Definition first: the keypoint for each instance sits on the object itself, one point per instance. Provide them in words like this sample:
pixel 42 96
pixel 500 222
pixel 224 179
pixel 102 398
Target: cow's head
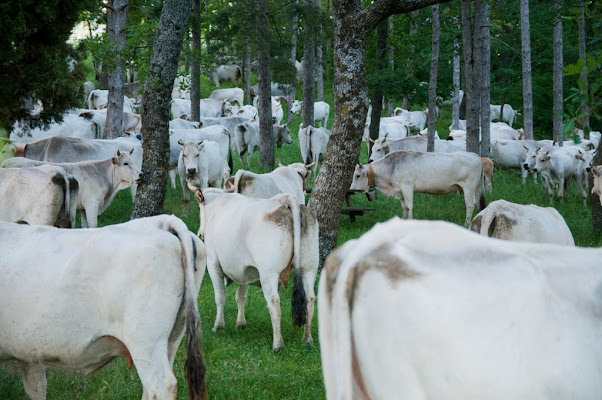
pixel 125 171
pixel 360 178
pixel 296 107
pixel 542 161
pixel 380 148
pixel 530 158
pixel 189 155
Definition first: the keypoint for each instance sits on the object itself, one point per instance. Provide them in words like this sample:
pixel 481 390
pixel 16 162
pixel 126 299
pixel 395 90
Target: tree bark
pixel 583 75
pixel 526 57
pixel 456 82
pixel 309 49
pixel 319 66
pixel 558 105
pixel 162 70
pixel 485 81
pixel 248 72
pixel 405 103
pixel 472 70
pixel 207 49
pixel 266 140
pixel 195 76
pixel 294 33
pixel 391 103
pixel 430 144
pixel 117 16
pixel 352 24
pixel 377 98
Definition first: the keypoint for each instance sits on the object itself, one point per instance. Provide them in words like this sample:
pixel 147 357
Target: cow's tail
pixel 239 174
pixel 195 368
pixel 70 186
pixel 230 163
pixel 299 298
pixel 481 190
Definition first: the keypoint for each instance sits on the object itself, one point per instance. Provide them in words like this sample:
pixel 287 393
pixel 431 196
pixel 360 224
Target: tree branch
pixel 369 18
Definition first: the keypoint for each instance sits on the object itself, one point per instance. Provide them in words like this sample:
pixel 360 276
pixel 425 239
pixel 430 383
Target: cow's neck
pixel 371 177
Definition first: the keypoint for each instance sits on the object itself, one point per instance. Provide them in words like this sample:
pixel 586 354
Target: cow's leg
pixel 154 370
pixel 309 280
pixel 91 215
pixel 523 173
pixel 535 178
pixel 249 154
pixel 241 299
pixel 561 189
pixel 84 218
pixel 470 200
pixel 133 190
pixel 34 380
pixel 219 289
pixel 269 286
pixel 185 196
pixel 172 177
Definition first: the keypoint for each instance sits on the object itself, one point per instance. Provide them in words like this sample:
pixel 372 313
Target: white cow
pixel 230 73
pixel 276 89
pixel 98 99
pixel 246 111
pixel 556 168
pixel 246 136
pixel 509 116
pixel 183 124
pixel 469 318
pixel 42 195
pixel 522 223
pixel 401 173
pixel 597 187
pixel 257 242
pixel 201 163
pixel 284 179
pixel 382 146
pixel 181 87
pixel 72 125
pixel 209 108
pixel 417 119
pixel 321 111
pixel 231 95
pixel 99 181
pixel 513 154
pixel 127 290
pixel 277 111
pixel 313 142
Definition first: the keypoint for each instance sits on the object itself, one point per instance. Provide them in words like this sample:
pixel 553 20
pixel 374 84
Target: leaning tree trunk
pixel 391 102
pixel 377 97
pixel 117 23
pixel 319 61
pixel 430 144
pixel 485 82
pixel 309 47
pixel 352 24
pixel 472 67
pixel 294 32
pixel 456 81
pixel 583 75
pixel 526 54
pixel 266 140
pixel 558 105
pixel 195 76
pixel 162 70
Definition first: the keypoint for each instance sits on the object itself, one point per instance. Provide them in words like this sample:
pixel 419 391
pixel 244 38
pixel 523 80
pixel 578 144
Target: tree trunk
pixel 430 144
pixel 391 104
pixel 472 70
pixel 308 64
pixel 558 67
pixel 162 70
pixel 352 24
pixel 485 81
pixel 319 66
pixel 405 103
pixel 248 72
pixel 456 81
pixel 207 31
pixel 195 76
pixel 294 32
pixel 583 75
pixel 117 24
pixel 266 140
pixel 526 55
pixel 377 99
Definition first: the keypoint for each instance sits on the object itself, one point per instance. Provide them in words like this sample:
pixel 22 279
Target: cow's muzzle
pixel 526 166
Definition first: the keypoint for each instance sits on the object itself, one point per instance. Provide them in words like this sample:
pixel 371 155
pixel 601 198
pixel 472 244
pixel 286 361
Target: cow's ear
pixel 387 147
pixel 115 160
pixel 526 148
pixel 180 142
pixel 118 153
pixel 132 151
pixel 200 145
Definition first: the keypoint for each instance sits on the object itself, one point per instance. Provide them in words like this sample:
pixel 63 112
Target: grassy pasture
pixel 240 364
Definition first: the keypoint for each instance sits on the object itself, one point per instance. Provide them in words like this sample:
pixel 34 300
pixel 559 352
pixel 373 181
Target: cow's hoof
pixel 217 328
pixel 277 349
pixel 308 341
pixel 241 326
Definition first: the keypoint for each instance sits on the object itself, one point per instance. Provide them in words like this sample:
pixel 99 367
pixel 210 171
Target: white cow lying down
pixel 470 318
pixel 522 223
pixel 131 294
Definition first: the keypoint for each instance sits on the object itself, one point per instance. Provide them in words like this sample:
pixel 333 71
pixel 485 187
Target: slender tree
pixel 319 61
pixel 557 107
pixel 377 97
pixel 391 103
pixel 584 105
pixel 195 76
pixel 117 11
pixel 526 68
pixel 162 70
pixel 433 81
pixel 485 81
pixel 309 48
pixel 456 82
pixel 405 104
pixel 266 140
pixel 247 72
pixel 294 33
pixel 352 24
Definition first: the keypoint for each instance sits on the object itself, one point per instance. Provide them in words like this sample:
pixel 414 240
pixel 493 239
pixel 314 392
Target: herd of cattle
pixel 522 324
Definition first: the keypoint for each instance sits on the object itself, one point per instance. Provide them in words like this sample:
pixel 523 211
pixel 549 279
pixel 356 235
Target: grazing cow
pixel 469 318
pixel 321 111
pixel 284 179
pixel 231 95
pixel 95 294
pixel 277 111
pixel 183 124
pixel 512 154
pixel 382 146
pixel 417 119
pixel 401 173
pixel 509 116
pixel 230 73
pixel 556 168
pixel 247 111
pixel 597 175
pixel 98 99
pixel 522 223
pixel 216 133
pixel 246 136
pixel 313 142
pixel 200 163
pixel 257 242
pixel 99 181
pixel 209 108
pixel 42 195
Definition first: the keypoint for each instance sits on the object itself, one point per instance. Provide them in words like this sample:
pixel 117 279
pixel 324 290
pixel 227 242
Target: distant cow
pixel 99 99
pixel 321 111
pixel 313 142
pixel 597 188
pixel 42 195
pixel 522 223
pixel 230 73
pixel 246 136
pixel 231 95
pixel 429 310
pixel 383 146
pixel 77 299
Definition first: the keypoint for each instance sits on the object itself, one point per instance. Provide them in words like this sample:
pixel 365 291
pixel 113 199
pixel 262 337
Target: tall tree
pixel 456 82
pixel 377 97
pixel 247 72
pixel 309 49
pixel 391 102
pixel 117 11
pixel 584 87
pixel 485 81
pixel 162 71
pixel 405 103
pixel 294 33
pixel 526 68
pixel 195 75
pixel 430 146
pixel 319 61
pixel 557 107
pixel 266 140
pixel 472 71
pixel 352 24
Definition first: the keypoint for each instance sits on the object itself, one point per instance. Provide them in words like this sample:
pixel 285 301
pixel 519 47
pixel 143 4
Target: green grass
pixel 240 364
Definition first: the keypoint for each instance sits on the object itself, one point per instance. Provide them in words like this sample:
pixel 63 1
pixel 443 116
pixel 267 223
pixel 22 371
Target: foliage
pixel 34 56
